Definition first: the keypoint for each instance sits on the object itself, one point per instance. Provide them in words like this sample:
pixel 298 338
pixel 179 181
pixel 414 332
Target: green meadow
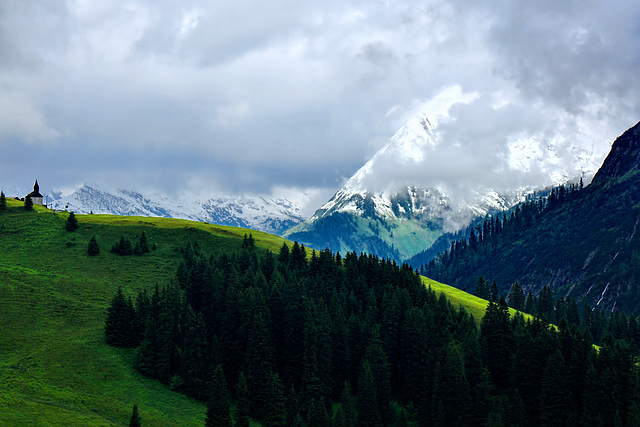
pixel 459 298
pixel 55 368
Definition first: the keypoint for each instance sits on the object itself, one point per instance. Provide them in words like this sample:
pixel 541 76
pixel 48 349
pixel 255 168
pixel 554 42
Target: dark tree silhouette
pixel 135 417
pixel 92 248
pixel 218 414
pixel 72 222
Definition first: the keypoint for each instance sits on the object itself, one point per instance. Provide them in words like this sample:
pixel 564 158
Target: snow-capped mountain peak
pixel 409 144
pixel 259 212
pixel 424 182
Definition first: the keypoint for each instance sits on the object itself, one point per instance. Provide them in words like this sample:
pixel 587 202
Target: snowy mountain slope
pixel 397 218
pixel 269 214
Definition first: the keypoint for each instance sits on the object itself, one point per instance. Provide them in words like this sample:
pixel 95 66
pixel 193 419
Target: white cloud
pixel 299 94
pixel 21 119
pixel 190 21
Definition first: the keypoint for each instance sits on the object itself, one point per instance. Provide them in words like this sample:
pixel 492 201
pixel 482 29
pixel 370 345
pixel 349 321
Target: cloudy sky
pixel 223 96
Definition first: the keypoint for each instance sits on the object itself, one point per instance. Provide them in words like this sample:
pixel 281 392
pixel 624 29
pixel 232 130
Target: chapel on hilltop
pixel 35 195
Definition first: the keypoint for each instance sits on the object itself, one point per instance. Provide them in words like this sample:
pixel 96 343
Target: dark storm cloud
pixel 249 96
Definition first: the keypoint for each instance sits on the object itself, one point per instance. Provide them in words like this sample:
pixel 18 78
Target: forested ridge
pixel 287 339
pixel 581 242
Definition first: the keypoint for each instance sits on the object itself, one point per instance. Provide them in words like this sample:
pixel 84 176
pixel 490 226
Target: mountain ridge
pixel 583 245
pixel 270 214
pixel 397 220
pixel 623 157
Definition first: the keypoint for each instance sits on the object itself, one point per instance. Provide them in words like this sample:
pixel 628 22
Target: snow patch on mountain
pixel 421 185
pixel 412 144
pixel 409 144
pixel 259 212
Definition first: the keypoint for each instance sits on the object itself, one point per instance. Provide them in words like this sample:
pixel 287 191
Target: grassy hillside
pixel 55 368
pixel 459 298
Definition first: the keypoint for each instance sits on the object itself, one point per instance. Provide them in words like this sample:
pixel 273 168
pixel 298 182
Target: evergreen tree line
pixel 480 238
pixel 283 337
pixel 595 321
pixel 125 247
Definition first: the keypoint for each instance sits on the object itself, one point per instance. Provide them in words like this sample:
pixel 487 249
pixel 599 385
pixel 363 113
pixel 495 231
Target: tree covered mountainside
pixel 400 203
pixel 326 340
pixel 582 243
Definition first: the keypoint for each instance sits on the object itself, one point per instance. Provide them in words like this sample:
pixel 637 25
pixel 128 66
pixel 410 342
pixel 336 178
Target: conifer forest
pixel 290 339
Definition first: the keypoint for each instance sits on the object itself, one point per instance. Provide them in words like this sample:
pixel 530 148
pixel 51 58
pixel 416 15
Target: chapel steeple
pixel 35 195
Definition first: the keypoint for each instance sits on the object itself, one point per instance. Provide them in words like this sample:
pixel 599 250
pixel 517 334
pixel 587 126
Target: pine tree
pixel 125 247
pixel 122 247
pixel 157 354
pixel 119 325
pixel 555 398
pixel 453 388
pixel 218 414
pixel 516 297
pixel 495 420
pixel 275 410
pixel 379 365
pixel 517 413
pixel 193 357
pixel 497 343
pixel 339 419
pixel 259 363
pixel 531 304
pixel 28 203
pixel 348 404
pixel 248 242
pixel 242 402
pixel 135 417
pixel 473 240
pixel 368 415
pixel 317 415
pixel 283 256
pixel 92 248
pixel 482 289
pixel 72 222
pixel 293 405
pixel 633 416
pixel 3 201
pixel 494 292
pixel 143 244
pixel 545 304
pixel 298 256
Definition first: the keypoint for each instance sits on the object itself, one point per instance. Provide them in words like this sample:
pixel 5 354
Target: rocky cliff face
pixel 623 158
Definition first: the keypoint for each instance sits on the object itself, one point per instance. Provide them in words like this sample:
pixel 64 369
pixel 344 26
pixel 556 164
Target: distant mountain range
pixel 399 222
pixel 396 219
pixel 585 245
pixel 273 215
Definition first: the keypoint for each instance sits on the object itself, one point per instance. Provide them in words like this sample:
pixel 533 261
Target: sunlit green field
pixel 471 303
pixel 55 368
